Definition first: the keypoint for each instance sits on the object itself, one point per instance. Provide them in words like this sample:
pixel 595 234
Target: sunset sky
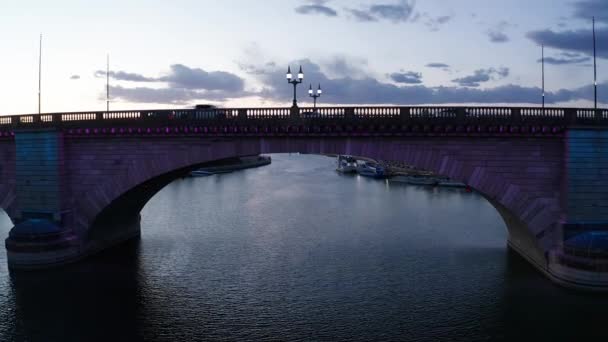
pixel 173 54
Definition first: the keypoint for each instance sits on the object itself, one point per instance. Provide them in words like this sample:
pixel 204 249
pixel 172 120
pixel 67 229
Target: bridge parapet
pixel 454 115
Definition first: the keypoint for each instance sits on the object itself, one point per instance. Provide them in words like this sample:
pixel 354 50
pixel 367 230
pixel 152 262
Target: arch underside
pixel 518 177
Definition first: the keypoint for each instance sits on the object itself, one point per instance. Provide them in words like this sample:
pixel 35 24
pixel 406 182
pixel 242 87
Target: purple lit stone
pixel 87 131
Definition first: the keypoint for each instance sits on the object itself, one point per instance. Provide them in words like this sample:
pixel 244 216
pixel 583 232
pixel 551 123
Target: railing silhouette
pixel 499 115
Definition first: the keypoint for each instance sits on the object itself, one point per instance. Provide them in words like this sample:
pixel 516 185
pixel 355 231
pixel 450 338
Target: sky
pixel 235 53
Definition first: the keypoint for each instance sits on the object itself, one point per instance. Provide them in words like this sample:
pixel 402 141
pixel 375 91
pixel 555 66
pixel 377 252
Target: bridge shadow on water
pixel 97 299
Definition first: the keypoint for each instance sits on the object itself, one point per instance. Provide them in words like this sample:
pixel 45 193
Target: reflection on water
pixel 295 251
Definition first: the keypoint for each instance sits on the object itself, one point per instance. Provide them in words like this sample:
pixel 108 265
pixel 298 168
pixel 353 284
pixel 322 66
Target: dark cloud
pixel 342 66
pixel 184 85
pixel 75 77
pixel 317 9
pixel 348 90
pixel 182 76
pixel 399 12
pixel 586 9
pixel 481 76
pixel 435 23
pixel 438 65
pixel 125 76
pixel 497 36
pixel 361 15
pixel 580 41
pixel 566 58
pixel 408 77
pixel 368 90
pixel 497 33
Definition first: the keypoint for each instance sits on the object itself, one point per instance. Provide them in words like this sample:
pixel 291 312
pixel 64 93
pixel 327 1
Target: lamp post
pixel 315 96
pixel 295 82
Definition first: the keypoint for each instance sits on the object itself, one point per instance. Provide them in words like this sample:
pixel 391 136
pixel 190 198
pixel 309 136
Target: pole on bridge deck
pixel 542 47
pixel 594 68
pixel 39 73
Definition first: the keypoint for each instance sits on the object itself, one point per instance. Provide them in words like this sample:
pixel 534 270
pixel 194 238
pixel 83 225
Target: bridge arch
pixel 509 174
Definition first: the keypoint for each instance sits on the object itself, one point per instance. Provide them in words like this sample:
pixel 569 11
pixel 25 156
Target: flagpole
pixel 543 71
pixel 594 68
pixel 39 74
pixel 108 83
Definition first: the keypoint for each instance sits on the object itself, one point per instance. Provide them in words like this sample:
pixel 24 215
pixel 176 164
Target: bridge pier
pixel 41 235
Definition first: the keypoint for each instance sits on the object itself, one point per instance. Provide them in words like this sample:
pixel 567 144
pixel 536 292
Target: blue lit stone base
pixel 40 244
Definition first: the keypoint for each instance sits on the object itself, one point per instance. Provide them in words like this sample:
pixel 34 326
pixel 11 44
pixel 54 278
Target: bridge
pixel 74 183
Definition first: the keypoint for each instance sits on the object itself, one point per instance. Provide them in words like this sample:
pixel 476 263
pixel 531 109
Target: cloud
pixel 497 37
pixel 408 77
pixel 497 33
pixel 580 41
pixel 435 23
pixel 586 9
pixel 181 76
pixel 317 8
pixel 399 12
pixel 182 85
pixel 438 66
pixel 481 76
pixel 125 76
pixel 344 89
pixel 343 66
pixel 361 15
pixel 75 77
pixel 368 90
pixel 566 58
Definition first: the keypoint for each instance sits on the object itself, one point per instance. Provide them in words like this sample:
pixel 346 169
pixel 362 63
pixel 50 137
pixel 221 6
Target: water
pixel 294 251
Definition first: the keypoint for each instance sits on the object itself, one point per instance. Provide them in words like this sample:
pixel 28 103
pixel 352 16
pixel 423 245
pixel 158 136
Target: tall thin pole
pixel 594 69
pixel 39 73
pixel 543 72
pixel 108 83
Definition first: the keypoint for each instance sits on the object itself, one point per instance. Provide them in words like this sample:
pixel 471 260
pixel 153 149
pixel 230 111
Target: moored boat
pixel 369 169
pixel 346 164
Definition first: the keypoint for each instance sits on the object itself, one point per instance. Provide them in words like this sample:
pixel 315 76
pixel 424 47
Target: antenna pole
pixel 39 73
pixel 594 68
pixel 543 71
pixel 108 83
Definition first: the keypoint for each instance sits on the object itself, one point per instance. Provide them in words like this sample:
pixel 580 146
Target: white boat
pixel 416 180
pixel 347 164
pixel 369 169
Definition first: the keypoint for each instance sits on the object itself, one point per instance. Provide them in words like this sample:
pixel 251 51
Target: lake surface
pixel 294 251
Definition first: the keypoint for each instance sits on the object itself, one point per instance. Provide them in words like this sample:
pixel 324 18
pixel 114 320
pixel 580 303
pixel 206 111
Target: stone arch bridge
pixel 74 183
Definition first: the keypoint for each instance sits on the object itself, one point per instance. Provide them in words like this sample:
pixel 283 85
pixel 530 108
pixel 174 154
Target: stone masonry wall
pixel 522 174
